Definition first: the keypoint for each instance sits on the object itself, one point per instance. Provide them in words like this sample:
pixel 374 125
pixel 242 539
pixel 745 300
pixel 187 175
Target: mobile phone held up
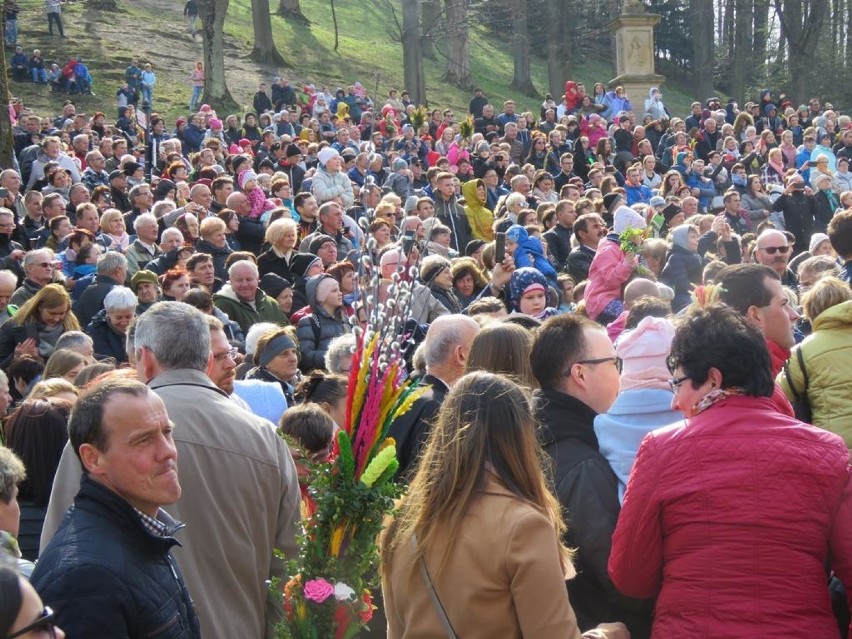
pixel 500 248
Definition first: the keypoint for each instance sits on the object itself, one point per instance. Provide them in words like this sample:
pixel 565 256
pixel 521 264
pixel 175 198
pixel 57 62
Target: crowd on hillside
pixel 659 304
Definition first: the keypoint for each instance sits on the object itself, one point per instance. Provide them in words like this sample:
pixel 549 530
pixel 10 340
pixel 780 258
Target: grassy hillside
pixel 155 30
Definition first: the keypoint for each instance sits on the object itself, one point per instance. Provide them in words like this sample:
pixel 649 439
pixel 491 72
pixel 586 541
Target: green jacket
pixel 264 309
pixel 827 354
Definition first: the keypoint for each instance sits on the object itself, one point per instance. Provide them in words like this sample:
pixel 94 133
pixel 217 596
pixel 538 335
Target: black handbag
pixel 801 402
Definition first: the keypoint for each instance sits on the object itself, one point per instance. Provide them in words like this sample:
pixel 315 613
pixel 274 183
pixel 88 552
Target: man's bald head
pixel 640 287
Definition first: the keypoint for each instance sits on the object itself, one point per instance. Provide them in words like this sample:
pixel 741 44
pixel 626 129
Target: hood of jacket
pixel 836 317
pixel 471 197
pixel 312 286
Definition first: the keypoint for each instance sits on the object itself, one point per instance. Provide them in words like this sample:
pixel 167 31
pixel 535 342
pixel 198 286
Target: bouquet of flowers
pixel 629 246
pixel 328 593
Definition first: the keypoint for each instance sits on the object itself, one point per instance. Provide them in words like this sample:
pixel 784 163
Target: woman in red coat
pixel 731 517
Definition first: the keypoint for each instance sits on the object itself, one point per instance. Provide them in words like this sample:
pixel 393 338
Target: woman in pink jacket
pixel 731 517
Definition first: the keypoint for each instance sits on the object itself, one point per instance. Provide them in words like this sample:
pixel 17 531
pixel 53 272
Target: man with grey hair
pixel 78 342
pixel 200 199
pixel 773 249
pixel 111 272
pixel 38 273
pixel 144 248
pixel 95 174
pixel 171 242
pixel 243 301
pixel 445 352
pixel 239 482
pixel 141 200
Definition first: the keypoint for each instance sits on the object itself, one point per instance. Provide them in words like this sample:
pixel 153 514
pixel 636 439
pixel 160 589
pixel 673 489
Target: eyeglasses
pixel 44 264
pixel 43 624
pixel 603 360
pixel 772 250
pixel 231 353
pixel 675 383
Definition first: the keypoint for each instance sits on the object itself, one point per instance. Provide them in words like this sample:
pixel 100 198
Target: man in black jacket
pixel 589 229
pixel 445 351
pixel 575 365
pixel 559 237
pixel 109 564
pixel 112 271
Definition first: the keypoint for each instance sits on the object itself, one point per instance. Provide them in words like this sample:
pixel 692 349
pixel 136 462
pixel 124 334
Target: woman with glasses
pixel 22 612
pixel 733 516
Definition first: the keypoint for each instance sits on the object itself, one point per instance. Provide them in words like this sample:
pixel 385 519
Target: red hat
pixel 244 142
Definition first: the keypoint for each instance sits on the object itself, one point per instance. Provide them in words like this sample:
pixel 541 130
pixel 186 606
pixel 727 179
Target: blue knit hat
pixel 522 279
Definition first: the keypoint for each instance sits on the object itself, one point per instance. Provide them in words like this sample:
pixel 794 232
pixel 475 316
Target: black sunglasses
pixel 43 623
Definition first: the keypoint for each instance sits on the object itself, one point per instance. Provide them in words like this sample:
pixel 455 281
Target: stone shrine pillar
pixel 634 53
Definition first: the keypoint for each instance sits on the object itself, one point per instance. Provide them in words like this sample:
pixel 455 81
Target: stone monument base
pixel 636 87
pixel 634 53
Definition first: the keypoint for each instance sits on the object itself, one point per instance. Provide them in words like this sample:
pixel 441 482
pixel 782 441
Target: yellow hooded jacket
pixel 481 219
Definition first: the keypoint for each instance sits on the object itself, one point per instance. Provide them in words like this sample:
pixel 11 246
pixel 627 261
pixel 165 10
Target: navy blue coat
pixel 106 575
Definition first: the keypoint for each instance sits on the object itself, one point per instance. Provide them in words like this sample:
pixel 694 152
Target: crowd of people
pixel 631 330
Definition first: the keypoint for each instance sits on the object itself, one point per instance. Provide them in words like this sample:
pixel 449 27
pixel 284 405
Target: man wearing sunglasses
pixel 109 566
pixel 773 250
pixel 576 367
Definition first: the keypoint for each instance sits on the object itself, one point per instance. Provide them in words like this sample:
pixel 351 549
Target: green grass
pixel 155 30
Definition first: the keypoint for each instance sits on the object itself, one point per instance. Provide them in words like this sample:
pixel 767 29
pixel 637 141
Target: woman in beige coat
pixel 480 524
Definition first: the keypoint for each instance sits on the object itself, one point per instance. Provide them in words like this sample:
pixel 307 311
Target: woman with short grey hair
pixel 108 329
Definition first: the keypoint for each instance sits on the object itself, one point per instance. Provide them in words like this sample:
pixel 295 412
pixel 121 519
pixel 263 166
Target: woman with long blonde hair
pixel 37 325
pixel 480 527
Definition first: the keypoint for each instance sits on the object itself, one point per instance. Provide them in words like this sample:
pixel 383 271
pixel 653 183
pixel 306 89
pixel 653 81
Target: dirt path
pixel 168 44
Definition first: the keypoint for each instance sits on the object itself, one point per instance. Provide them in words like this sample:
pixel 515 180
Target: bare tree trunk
pixel 719 21
pixel 760 39
pixel 412 54
pixel 848 32
pixel 728 26
pixel 336 31
pixel 264 45
pixel 7 137
pixel 432 27
pixel 702 47
pixel 835 26
pixel 558 46
pixel 521 78
pixel 802 31
pixel 212 14
pixel 457 45
pixel 292 10
pixel 741 56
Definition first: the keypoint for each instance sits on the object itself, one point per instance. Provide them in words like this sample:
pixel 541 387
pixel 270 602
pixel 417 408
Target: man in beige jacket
pixel 240 491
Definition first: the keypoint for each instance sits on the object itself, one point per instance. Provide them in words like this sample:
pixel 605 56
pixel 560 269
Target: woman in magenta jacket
pixel 731 517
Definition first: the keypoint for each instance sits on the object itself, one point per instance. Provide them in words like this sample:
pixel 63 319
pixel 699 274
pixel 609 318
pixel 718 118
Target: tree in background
pixel 212 15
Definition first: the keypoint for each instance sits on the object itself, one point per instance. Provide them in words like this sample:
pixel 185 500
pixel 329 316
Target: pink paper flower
pixel 318 590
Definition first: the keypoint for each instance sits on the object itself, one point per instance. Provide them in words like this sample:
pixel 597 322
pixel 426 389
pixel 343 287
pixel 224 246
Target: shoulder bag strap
pixel 796 395
pixel 801 358
pixel 433 595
